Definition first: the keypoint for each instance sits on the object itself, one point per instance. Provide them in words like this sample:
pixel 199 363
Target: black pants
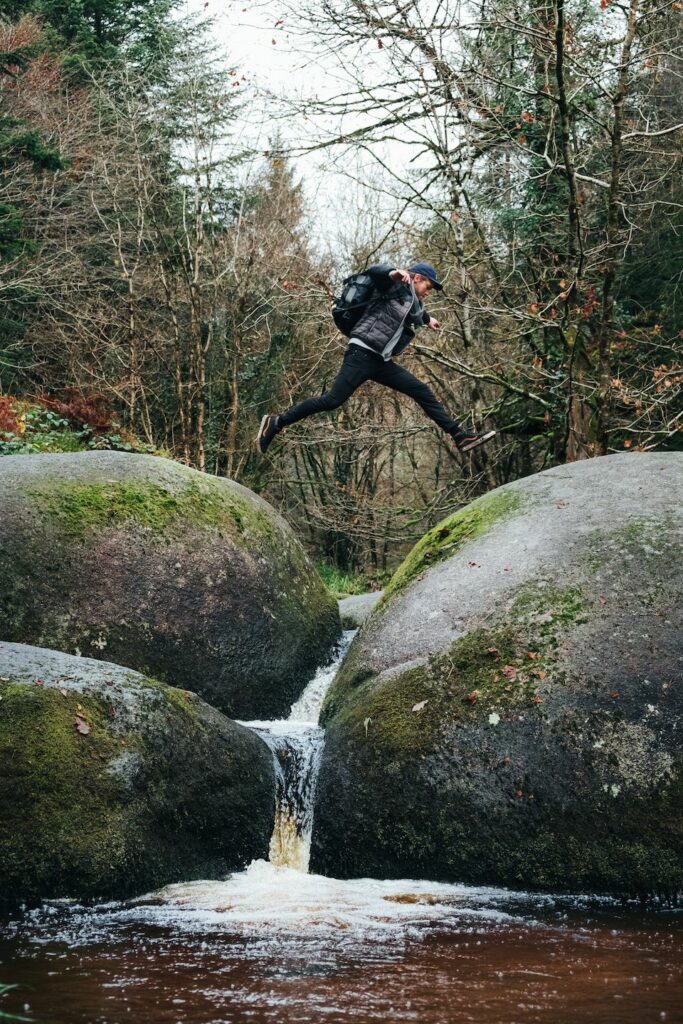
pixel 360 365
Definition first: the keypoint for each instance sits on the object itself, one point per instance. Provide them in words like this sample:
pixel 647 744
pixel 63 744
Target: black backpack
pixel 356 293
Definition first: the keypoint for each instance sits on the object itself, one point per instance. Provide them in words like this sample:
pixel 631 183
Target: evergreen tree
pixel 24 153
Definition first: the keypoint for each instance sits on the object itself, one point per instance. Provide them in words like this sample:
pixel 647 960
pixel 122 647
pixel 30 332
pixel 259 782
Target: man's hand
pixel 400 275
pixel 433 324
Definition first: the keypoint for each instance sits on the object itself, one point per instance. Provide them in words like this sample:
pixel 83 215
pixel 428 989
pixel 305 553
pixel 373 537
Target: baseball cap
pixel 427 270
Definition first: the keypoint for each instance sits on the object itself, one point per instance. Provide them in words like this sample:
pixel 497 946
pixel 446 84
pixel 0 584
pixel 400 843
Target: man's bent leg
pixel 393 376
pixel 354 371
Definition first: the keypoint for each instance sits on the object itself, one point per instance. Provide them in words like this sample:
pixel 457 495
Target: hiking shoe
pixel 466 440
pixel 267 431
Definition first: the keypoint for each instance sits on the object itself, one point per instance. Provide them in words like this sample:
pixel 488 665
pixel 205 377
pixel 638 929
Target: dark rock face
pixel 187 577
pixel 112 784
pixel 511 712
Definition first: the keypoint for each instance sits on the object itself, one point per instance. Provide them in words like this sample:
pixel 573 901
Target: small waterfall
pixel 297 757
pixel 297 744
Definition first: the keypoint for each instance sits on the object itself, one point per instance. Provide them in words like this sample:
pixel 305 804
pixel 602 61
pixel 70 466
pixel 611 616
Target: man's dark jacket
pixel 391 304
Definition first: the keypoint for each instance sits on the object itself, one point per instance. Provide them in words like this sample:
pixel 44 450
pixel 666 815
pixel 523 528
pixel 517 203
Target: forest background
pixel 163 282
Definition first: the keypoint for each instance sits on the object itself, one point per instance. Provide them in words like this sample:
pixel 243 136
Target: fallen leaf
pixel 472 698
pixel 537 700
pixel 614 694
pixel 510 672
pixel 64 693
pixel 602 599
pixel 81 725
pixel 532 654
pixel 420 706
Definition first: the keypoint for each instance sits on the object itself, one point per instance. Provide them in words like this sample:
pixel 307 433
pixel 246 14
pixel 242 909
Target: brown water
pixel 274 945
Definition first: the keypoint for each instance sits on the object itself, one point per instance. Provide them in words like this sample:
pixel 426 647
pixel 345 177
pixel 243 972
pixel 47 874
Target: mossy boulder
pixel 511 712
pixel 112 783
pixel 186 577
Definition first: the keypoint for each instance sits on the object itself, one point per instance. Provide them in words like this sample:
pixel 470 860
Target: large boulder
pixel 183 576
pixel 354 610
pixel 511 712
pixel 112 783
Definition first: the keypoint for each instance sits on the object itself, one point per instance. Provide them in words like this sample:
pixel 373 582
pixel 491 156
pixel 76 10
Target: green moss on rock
pixel 121 785
pixel 182 576
pixel 63 791
pixel 488 671
pixel 447 537
pixel 495 666
pixel 79 507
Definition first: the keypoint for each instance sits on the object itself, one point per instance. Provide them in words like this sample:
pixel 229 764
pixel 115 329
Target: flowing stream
pixel 297 744
pixel 276 944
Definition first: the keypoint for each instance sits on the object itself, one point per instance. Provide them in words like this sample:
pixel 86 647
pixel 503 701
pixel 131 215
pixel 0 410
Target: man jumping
pixel 385 328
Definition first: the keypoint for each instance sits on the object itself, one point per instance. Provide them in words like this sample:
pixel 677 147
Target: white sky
pixel 256 38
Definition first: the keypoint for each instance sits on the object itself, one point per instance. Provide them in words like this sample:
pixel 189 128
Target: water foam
pixel 267 899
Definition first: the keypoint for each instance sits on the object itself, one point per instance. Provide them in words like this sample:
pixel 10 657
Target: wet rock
pixel 354 610
pixel 511 711
pixel 112 783
pixel 187 577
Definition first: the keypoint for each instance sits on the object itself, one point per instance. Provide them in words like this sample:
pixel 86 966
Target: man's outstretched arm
pixel 385 274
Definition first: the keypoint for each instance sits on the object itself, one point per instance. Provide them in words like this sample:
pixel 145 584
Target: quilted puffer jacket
pixel 389 307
